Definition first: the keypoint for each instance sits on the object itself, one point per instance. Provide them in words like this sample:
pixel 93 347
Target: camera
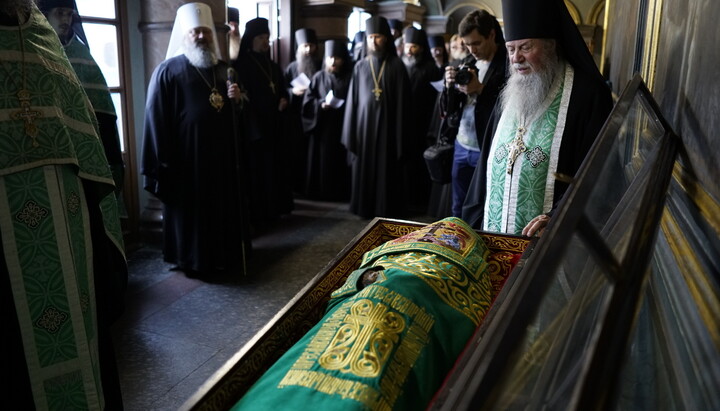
pixel 463 75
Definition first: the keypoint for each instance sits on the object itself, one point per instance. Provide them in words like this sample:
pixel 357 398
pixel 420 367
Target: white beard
pixel 524 93
pixel 200 56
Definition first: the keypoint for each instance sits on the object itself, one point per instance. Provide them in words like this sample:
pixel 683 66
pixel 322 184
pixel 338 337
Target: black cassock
pixel 589 106
pixel 298 139
pixel 328 174
pixel 269 146
pixel 423 99
pixel 375 133
pixel 189 162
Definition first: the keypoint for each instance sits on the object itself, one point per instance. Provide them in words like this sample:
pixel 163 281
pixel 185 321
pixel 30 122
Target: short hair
pixel 479 20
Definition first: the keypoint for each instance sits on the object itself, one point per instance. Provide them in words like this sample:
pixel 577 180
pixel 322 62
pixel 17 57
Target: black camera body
pixel 463 75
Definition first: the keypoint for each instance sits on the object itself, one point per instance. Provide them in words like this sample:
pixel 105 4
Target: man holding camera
pixel 467 101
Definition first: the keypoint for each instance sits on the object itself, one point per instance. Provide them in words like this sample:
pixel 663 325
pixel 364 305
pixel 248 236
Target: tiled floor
pixel 177 331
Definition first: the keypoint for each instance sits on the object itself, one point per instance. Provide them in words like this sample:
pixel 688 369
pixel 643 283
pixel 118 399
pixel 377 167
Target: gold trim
pixel 574 12
pixel 594 14
pixel 687 263
pixel 603 52
pixel 477 5
pixel 650 45
pixel 708 207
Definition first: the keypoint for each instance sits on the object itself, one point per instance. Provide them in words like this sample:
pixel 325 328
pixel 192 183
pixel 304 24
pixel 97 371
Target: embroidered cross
pixel 516 147
pixel 27 115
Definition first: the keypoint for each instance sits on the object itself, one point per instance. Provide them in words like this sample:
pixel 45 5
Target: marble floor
pixel 177 331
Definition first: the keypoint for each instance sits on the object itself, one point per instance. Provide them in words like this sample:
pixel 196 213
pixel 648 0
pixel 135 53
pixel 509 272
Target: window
pixel 249 10
pixel 104 31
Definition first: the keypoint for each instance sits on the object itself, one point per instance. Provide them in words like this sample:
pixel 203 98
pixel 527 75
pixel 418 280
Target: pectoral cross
pixel 377 91
pixel 516 147
pixel 27 115
pixel 272 87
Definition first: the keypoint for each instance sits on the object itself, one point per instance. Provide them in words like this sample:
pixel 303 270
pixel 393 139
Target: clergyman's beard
pixel 306 64
pixel 410 61
pixel 200 55
pixel 525 93
pixel 12 7
pixel 378 52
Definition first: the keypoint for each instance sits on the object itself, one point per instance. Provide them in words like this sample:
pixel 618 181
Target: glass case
pixel 605 314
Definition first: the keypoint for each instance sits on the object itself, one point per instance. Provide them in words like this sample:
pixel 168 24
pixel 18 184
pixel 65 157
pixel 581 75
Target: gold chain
pixel 267 73
pixel 211 87
pixel 376 79
pixel 216 100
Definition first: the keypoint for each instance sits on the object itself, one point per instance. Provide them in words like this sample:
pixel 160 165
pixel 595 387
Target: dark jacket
pixel 452 101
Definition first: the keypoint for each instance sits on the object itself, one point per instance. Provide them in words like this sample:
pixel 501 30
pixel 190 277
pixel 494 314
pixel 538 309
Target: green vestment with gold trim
pixel 51 163
pixel 388 345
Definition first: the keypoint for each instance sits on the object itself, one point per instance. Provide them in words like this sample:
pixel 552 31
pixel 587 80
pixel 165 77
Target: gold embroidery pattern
pixel 499 242
pixel 364 342
pixel 346 389
pixel 305 313
pixel 393 334
pixel 450 238
pixel 52 319
pixel 471 297
pixel 32 214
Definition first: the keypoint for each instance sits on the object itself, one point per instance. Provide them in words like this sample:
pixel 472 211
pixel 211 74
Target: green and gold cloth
pixel 44 217
pixel 514 198
pixel 388 345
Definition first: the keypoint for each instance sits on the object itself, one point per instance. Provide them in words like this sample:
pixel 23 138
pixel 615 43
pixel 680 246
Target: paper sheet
pixel 301 81
pixel 333 101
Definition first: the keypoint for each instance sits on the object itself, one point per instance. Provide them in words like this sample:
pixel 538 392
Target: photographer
pixel 467 101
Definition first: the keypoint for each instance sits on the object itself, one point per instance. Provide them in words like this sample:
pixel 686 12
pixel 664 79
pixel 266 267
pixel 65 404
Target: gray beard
pixel 12 7
pixel 410 61
pixel 524 94
pixel 306 64
pixel 200 56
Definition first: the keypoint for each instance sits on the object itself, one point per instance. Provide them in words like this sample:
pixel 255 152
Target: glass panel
pixel 644 382
pixel 640 131
pixel 672 352
pixel 96 8
pixel 103 47
pixel 614 202
pixel 118 109
pixel 556 341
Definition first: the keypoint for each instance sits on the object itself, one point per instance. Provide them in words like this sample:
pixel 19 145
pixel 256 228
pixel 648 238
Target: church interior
pixel 653 305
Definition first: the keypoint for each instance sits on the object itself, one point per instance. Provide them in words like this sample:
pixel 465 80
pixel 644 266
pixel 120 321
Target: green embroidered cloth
pixel 513 199
pixel 44 216
pixel 388 345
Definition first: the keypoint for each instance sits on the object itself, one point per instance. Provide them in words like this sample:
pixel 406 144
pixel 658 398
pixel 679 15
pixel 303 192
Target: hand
pixel 325 106
pixel 298 91
pixel 235 93
pixel 473 87
pixel 282 104
pixel 536 225
pixel 450 76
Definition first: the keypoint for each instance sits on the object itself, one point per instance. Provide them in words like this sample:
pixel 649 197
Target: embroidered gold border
pixel 231 382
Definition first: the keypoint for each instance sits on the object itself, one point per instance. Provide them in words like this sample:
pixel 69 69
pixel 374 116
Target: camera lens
pixel 463 76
